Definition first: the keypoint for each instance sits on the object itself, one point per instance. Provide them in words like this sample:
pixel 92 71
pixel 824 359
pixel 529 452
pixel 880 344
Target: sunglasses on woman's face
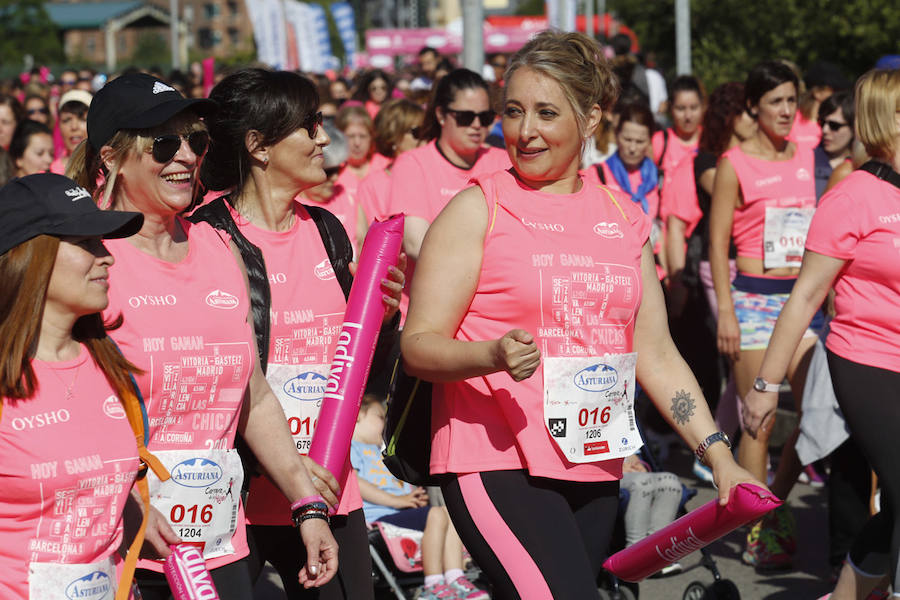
pixel 832 124
pixel 464 118
pixel 38 111
pixel 165 147
pixel 311 123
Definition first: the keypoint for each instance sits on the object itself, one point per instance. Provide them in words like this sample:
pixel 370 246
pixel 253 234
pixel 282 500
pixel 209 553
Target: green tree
pixel 151 49
pixel 25 28
pixel 729 36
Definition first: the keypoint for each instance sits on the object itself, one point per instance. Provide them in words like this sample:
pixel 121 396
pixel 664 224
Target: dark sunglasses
pixel 832 125
pixel 311 123
pixel 34 111
pixel 464 118
pixel 68 81
pixel 165 147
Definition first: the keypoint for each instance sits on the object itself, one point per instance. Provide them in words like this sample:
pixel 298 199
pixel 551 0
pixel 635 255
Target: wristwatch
pixel 761 385
pixel 718 436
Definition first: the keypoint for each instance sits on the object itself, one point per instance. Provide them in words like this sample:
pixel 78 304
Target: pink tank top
pixel 306 315
pixel 67 462
pixel 768 184
pixel 676 150
pixel 804 132
pixel 566 268
pixel 423 181
pixel 373 194
pixel 186 327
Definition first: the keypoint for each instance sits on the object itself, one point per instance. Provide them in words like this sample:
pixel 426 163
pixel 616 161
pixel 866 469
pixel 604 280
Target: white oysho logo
pixel 223 300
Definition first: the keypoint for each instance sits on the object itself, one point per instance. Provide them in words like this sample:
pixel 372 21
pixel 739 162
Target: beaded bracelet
pixel 310 510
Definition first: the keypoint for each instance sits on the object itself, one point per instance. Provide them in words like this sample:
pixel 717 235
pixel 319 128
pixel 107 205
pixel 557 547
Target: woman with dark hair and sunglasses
pixel 374 89
pixel 764 197
pixel 457 122
pixel 65 393
pixel 182 288
pixel 267 147
pixel 836 120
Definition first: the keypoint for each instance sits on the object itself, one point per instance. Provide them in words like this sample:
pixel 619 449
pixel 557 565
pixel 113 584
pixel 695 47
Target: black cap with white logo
pixel 51 204
pixel 137 101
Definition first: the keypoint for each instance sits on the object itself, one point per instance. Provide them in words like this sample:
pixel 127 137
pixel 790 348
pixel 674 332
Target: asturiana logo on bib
pixel 307 386
pixel 596 378
pixel 608 230
pixel 93 586
pixel 220 299
pixel 324 270
pixel 196 473
pixel 113 409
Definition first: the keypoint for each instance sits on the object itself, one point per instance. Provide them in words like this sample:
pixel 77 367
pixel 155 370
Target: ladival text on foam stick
pixel 691 532
pixel 187 575
pixel 355 347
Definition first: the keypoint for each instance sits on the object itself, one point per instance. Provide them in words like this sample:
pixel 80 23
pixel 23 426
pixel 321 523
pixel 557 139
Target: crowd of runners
pixel 591 260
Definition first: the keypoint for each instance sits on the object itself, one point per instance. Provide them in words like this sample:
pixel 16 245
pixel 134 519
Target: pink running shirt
pixel 768 184
pixel 804 132
pixel 186 328
pixel 307 312
pixel 859 221
pixel 373 194
pixel 67 464
pixel 679 197
pixel 676 150
pixel 423 181
pixel 566 268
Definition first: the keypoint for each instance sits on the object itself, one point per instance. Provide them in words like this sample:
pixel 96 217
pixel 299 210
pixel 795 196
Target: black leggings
pixel 232 581
pixel 869 397
pixel 534 538
pixel 282 547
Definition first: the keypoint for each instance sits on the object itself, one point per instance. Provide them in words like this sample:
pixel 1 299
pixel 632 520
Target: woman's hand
pixel 392 286
pixel 728 335
pixel 632 464
pixel 321 553
pixel 517 354
pixel 726 472
pixel 758 411
pixel 158 536
pixel 325 482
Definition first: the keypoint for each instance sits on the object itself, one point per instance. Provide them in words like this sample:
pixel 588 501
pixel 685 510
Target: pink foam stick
pixel 355 347
pixel 187 575
pixel 691 532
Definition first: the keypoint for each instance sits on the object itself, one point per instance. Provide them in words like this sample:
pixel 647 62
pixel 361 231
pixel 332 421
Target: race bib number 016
pixel 784 236
pixel 589 406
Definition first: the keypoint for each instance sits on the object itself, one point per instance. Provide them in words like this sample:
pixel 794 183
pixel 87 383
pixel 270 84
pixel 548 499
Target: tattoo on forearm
pixel 682 407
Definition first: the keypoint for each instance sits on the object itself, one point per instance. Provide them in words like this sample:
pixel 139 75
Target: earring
pixel 265 160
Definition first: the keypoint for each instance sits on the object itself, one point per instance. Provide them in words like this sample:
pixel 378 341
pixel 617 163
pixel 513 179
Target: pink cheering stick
pixel 691 532
pixel 187 575
pixel 355 347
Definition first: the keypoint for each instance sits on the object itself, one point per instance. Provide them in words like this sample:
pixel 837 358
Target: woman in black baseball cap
pixel 182 289
pixel 64 392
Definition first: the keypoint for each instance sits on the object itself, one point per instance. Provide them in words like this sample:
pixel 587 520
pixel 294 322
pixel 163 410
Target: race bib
pixel 589 406
pixel 202 498
pixel 784 236
pixel 299 389
pixel 53 581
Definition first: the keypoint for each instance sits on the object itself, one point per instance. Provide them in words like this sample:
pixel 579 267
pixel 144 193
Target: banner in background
pixel 268 18
pixel 342 13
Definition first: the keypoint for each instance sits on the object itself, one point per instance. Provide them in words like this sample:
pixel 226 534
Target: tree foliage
pixel 729 36
pixel 25 28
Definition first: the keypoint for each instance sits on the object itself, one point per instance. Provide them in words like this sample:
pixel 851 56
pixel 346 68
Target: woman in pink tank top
pixel 68 457
pixel 182 289
pixel 297 283
pixel 672 145
pixel 763 200
pixel 535 306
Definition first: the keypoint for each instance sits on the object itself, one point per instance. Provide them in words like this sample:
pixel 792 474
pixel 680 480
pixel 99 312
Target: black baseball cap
pixel 51 204
pixel 137 101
